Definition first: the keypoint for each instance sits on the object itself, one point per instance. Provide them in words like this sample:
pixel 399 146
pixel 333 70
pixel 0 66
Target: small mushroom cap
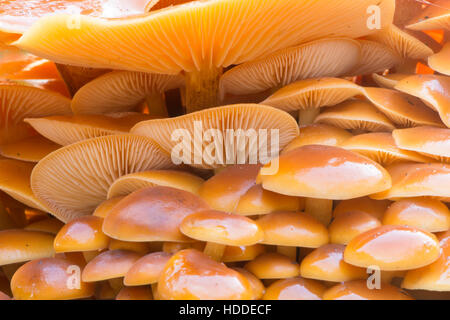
pixel 135 293
pixel 192 275
pixel 81 234
pixel 147 269
pixel 434 17
pixel 356 115
pixel 390 80
pixel 75 179
pixel 347 225
pixel 417 180
pixel 426 214
pixel 432 89
pixel 393 248
pixel 24 245
pixel 358 290
pixel 167 178
pixel 313 93
pixel 327 263
pixel 120 91
pixel 375 57
pixel 50 225
pixel 152 214
pixel 66 130
pixel 430 141
pixel 47 279
pixel 224 119
pixel 223 228
pixel 242 253
pixel 326 172
pixel 31 149
pixel 293 229
pixel 109 265
pixel 106 206
pixel 402 109
pixel 320 58
pixel 138 247
pixel 320 134
pixel 273 266
pixel 295 289
pixel 439 61
pixel 382 148
pixel 257 286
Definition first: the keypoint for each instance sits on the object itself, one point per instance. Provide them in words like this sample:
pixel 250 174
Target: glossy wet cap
pixel 147 269
pixel 358 290
pixel 273 266
pixel 376 208
pixel 295 289
pixel 347 225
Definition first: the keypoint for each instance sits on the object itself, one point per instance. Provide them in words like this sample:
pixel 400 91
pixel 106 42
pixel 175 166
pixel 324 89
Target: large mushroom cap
pixel 74 180
pixel 393 248
pixel 358 290
pixel 235 119
pixel 326 172
pixel 321 58
pixel 390 80
pixel 375 57
pixel 31 149
pixel 273 266
pixel 147 269
pixel 152 214
pixel 347 225
pixel 295 289
pixel 191 275
pixel 50 225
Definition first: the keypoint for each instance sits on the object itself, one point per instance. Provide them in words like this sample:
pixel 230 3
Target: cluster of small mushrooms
pixel 93 206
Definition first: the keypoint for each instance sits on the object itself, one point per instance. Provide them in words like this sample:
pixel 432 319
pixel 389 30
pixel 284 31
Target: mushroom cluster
pixel 225 149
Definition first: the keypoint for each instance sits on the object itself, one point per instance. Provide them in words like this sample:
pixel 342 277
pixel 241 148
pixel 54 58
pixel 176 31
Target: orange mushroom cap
pixel 147 269
pixel 358 290
pixel 347 225
pixel 295 289
pixel 273 266
pixel 135 293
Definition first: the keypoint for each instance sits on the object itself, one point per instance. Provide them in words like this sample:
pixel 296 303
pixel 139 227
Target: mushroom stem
pixel 307 116
pixel 321 209
pixel 89 255
pixel 116 284
pixel 155 290
pixel 202 89
pixel 156 104
pixel 290 252
pixel 76 77
pixel 214 250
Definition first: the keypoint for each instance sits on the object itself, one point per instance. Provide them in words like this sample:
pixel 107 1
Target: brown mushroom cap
pixel 135 293
pixel 152 214
pixel 320 58
pixel 241 253
pixel 375 57
pixel 147 269
pixel 393 248
pixel 358 290
pixel 327 264
pixel 356 115
pixel 50 225
pixel 24 245
pixel 439 61
pixel 47 279
pixel 430 141
pixel 191 275
pixel 295 289
pixel 293 229
pixel 81 234
pixel 109 265
pixel 222 228
pixel 168 178
pixel 426 214
pixel 31 149
pixel 347 225
pixel 273 266
pixel 75 179
pixel 390 80
pixel 326 172
pixel 382 148
pixel 106 206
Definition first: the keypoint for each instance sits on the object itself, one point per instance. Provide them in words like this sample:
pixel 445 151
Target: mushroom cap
pixel 242 253
pixel 20 102
pixel 135 293
pixel 347 225
pixel 4 296
pixel 257 286
pixel 31 149
pixel 46 279
pixel 426 214
pixel 66 130
pixel 355 115
pixel 326 172
pixel 50 225
pixel 147 269
pixel 432 89
pixel 139 247
pixel 125 185
pixel 417 180
pixel 327 264
pixel 247 118
pixel 106 206
pixel 433 277
pixel 192 275
pixel 435 16
pixel 430 141
pixel 75 179
pixel 24 245
pixel 221 227
pixel 358 290
pixel 402 109
pixel 294 229
pixel 273 266
pixel 321 58
pixel 120 91
pixel 393 248
pixel 246 34
pixel 153 5
pixel 313 93
pixel 152 214
pixel 109 265
pixel 382 148
pixel 375 57
pixel 439 61
pixel 81 234
pixel 321 134
pixel 390 80
pixel 373 207
pixel 295 289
